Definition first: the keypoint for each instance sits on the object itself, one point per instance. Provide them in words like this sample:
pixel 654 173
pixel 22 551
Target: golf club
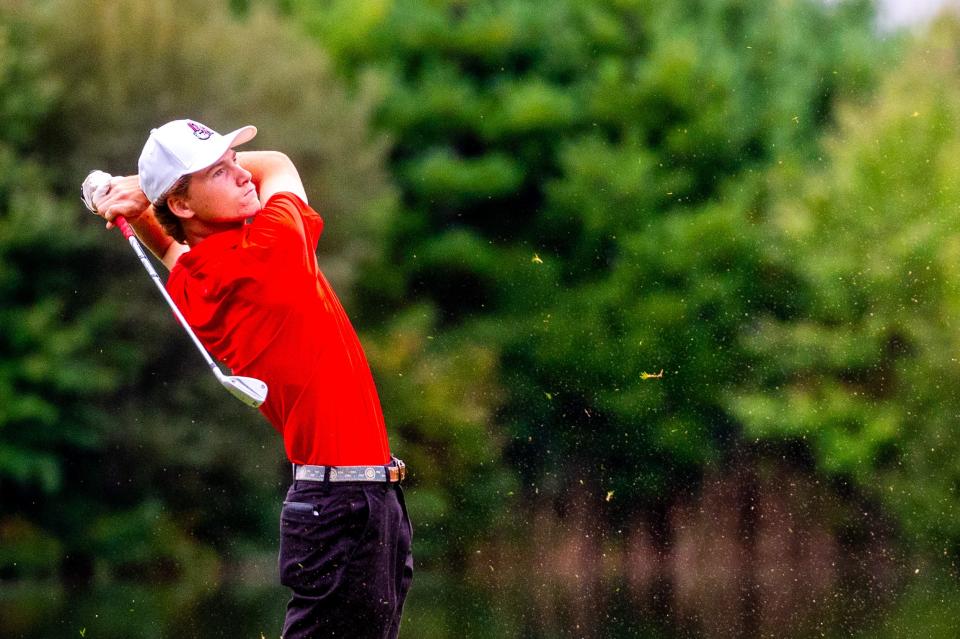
pixel 249 390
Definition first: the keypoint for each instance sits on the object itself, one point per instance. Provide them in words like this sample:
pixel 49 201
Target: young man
pixel 239 238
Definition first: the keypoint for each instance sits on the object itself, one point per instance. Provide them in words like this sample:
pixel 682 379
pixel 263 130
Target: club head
pixel 249 390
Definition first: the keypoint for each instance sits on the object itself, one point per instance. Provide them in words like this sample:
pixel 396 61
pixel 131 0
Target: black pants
pixel 345 554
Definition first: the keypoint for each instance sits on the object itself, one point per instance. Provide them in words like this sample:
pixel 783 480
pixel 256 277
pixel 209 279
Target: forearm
pixel 154 237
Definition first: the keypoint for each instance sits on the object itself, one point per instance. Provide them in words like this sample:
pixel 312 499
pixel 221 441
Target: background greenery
pixel 530 208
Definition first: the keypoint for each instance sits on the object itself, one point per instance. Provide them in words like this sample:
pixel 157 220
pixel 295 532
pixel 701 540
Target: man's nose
pixel 243 175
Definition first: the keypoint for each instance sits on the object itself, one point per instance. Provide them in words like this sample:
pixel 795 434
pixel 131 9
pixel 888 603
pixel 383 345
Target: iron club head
pixel 249 390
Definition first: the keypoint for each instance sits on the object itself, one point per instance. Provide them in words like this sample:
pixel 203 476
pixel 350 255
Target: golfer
pixel 239 238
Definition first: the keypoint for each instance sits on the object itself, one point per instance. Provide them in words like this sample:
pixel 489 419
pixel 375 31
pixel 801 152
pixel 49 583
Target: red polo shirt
pixel 259 303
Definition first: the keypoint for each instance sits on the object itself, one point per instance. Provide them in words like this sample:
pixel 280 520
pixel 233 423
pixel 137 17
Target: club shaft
pixel 122 223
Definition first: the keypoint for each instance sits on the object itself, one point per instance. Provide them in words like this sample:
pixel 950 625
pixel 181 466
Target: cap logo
pixel 200 131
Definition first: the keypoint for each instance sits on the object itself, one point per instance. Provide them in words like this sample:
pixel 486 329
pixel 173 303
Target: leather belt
pixel 394 472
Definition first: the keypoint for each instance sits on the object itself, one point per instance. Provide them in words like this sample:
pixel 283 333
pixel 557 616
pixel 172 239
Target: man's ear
pixel 179 207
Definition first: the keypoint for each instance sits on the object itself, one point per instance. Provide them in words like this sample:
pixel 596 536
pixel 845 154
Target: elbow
pixel 263 163
pixel 279 161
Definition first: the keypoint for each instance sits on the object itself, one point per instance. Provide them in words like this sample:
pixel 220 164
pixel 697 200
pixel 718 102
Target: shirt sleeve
pixel 284 219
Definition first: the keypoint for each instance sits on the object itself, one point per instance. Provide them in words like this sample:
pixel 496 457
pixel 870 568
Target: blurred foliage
pixel 579 185
pixel 863 370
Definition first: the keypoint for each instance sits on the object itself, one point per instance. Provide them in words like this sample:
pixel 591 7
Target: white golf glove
pixel 94 187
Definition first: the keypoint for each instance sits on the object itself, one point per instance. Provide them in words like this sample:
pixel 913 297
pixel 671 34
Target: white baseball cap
pixel 181 147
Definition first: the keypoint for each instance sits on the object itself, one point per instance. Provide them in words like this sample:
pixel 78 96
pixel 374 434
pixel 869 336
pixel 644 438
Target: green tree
pixel 579 184
pixel 861 372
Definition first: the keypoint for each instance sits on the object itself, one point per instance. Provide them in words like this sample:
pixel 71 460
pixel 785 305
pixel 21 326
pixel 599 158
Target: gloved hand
pixel 94 188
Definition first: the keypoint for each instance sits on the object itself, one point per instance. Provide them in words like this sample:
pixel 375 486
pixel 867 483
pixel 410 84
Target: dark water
pixel 754 554
pixel 928 606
